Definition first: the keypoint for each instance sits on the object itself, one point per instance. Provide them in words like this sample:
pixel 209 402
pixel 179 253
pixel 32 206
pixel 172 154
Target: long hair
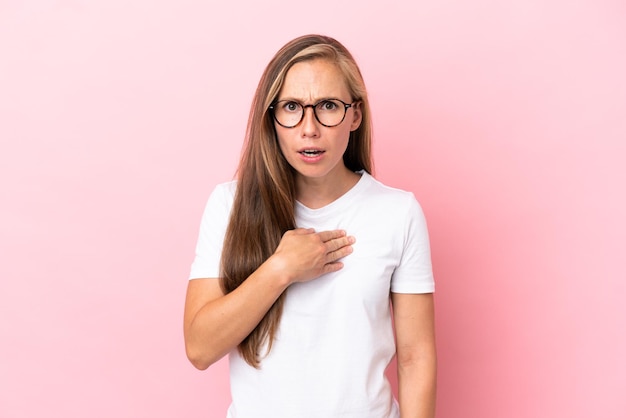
pixel 263 208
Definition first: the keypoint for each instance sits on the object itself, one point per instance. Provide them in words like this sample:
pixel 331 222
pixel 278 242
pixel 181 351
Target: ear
pixel 357 116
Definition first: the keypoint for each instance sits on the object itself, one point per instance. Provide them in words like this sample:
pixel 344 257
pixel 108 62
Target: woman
pixel 298 260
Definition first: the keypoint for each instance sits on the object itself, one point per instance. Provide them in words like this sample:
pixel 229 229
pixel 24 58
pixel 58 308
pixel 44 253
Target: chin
pixel 312 173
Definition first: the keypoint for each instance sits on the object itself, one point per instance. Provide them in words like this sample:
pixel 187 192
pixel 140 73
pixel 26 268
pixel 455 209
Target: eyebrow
pixel 293 99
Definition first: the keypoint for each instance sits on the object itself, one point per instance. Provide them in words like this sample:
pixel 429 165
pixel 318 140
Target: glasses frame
pixel 346 106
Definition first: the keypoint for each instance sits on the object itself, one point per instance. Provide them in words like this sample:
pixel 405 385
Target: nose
pixel 309 123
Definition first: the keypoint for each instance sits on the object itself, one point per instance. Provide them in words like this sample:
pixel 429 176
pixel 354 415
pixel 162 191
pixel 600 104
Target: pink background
pixel 506 118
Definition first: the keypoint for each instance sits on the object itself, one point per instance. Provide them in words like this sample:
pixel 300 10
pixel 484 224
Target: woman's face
pixel 312 149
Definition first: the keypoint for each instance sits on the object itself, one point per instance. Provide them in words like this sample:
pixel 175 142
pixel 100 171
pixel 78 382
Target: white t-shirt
pixel 335 338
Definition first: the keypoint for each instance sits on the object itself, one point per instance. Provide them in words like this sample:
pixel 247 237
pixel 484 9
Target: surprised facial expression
pixel 316 151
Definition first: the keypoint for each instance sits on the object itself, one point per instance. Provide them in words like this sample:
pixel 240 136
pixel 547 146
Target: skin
pixel 215 323
pixel 414 321
pixel 321 182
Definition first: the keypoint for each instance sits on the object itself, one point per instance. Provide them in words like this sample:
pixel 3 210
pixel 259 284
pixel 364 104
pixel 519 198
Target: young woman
pixel 298 259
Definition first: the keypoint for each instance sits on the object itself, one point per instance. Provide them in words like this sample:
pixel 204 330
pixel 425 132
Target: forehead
pixel 313 80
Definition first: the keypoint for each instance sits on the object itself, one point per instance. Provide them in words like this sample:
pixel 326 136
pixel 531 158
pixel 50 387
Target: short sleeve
pixel 414 273
pixel 206 263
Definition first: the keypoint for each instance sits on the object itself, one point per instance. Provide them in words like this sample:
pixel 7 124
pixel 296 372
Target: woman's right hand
pixel 215 322
pixel 303 254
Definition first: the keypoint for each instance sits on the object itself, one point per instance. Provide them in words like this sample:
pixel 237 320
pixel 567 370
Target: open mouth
pixel 311 152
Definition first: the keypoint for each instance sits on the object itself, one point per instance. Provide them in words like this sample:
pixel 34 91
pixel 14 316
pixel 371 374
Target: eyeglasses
pixel 328 112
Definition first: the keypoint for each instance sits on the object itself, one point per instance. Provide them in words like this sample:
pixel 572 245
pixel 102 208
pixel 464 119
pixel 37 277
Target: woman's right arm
pixel 215 323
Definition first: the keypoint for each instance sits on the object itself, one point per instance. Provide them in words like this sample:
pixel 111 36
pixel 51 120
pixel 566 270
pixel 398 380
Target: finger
pixel 333 256
pixel 337 243
pixel 332 267
pixel 326 236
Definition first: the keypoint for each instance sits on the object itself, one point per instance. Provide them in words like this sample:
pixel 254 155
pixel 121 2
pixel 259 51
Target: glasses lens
pixel 288 113
pixel 330 112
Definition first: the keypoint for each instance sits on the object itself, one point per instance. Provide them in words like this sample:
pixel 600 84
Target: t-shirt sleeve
pixel 206 263
pixel 414 274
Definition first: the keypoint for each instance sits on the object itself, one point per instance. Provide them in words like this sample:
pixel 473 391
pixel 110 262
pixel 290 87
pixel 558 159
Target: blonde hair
pixel 263 208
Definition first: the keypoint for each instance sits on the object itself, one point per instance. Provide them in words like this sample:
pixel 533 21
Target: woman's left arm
pixel 414 320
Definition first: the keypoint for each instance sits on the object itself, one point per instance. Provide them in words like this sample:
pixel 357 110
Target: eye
pixel 290 106
pixel 327 105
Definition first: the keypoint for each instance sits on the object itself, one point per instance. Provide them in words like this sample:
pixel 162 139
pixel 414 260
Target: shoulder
pixel 221 198
pixel 389 195
pixel 398 207
pixel 224 191
pixel 226 188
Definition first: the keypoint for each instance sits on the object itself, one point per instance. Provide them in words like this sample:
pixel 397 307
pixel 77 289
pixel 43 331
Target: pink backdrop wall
pixel 507 120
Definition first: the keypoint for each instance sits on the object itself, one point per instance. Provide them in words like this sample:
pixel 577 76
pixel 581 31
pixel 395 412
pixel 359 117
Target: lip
pixel 311 158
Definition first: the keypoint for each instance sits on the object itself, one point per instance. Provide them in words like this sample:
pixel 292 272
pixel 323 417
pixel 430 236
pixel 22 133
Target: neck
pixel 315 193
